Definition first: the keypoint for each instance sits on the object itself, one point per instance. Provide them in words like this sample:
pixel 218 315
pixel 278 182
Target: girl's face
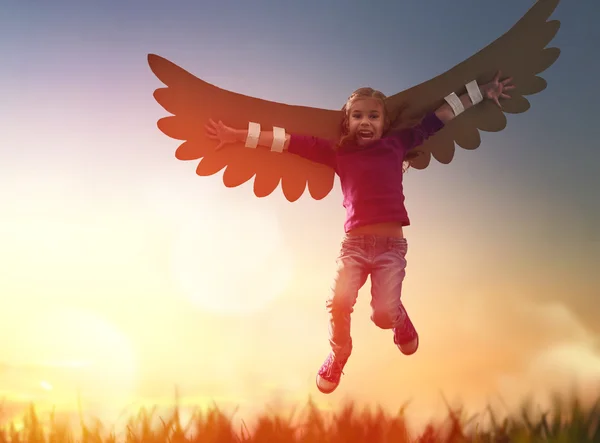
pixel 366 120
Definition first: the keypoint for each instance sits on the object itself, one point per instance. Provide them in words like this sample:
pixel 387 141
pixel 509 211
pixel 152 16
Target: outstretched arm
pixel 311 148
pixel 494 90
pixel 226 135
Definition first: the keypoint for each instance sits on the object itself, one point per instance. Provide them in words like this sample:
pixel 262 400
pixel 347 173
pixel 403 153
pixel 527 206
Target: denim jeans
pixel 385 260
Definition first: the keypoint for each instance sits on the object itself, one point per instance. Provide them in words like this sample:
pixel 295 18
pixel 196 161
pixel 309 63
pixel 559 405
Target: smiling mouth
pixel 365 134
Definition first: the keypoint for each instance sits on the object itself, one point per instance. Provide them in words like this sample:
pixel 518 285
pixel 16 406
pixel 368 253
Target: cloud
pixel 515 346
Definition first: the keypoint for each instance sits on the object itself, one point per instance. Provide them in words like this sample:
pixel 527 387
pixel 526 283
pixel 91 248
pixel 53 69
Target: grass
pixel 567 421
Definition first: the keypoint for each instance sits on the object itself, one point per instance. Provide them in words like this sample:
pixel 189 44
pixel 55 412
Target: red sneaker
pixel 406 338
pixel 330 373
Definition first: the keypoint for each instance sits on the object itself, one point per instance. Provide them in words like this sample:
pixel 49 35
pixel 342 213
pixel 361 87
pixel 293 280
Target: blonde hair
pixel 360 93
pixel 365 93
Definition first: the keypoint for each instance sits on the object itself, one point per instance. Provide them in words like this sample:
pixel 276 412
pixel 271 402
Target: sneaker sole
pixel 323 391
pixel 410 353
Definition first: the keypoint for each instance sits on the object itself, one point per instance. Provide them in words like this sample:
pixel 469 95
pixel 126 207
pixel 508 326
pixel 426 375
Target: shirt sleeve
pixel 313 148
pixel 418 134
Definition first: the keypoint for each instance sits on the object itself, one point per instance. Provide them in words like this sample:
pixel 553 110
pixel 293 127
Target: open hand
pixel 218 131
pixel 495 89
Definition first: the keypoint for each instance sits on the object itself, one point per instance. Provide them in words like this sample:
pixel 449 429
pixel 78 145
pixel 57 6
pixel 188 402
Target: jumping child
pixel 369 160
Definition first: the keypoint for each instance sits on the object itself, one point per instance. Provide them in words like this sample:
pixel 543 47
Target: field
pixel 567 421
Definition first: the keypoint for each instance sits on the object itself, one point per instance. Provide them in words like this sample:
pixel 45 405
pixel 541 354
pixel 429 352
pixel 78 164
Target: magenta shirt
pixel 371 176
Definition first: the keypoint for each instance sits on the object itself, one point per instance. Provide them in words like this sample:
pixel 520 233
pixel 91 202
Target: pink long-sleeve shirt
pixel 370 176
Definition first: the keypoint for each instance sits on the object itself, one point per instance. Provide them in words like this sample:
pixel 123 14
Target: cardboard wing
pixel 520 53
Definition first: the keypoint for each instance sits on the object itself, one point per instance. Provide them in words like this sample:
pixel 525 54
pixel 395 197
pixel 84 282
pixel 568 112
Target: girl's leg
pixel 389 270
pixel 352 272
pixel 351 275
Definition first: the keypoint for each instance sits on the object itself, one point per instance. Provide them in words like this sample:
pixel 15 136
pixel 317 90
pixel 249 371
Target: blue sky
pixel 312 54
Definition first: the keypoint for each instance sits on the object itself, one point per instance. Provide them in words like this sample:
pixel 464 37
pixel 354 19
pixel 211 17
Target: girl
pixel 369 161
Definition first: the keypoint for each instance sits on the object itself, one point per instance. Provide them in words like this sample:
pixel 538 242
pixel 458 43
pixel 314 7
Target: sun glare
pixel 45 343
pixel 228 259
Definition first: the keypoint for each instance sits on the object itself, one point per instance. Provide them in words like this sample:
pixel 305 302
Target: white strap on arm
pixel 278 139
pixel 474 92
pixel 253 135
pixel 455 103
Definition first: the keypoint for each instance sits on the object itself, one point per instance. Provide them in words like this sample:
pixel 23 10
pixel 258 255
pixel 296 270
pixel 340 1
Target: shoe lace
pixel 334 367
pixel 403 333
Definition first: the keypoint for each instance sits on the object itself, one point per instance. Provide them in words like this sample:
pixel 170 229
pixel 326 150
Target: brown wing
pixel 520 53
pixel 193 101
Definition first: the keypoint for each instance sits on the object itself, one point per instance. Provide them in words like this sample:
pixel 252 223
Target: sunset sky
pixel 112 252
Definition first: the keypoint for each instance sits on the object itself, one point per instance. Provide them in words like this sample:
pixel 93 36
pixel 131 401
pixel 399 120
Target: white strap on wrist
pixel 455 103
pixel 253 135
pixel 278 139
pixel 474 92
